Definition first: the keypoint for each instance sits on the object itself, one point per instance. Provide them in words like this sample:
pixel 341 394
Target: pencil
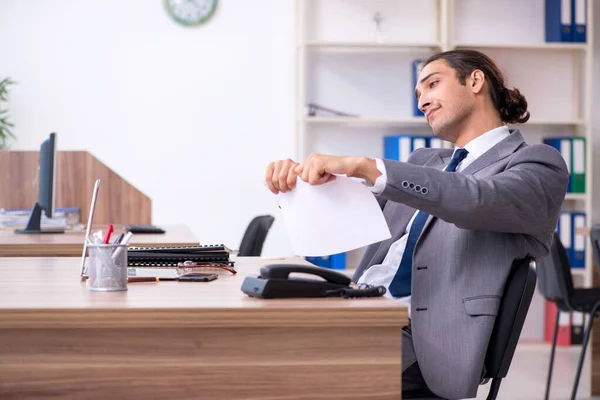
pixel 134 279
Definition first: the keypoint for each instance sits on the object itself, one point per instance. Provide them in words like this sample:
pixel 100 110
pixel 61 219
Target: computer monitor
pixel 47 189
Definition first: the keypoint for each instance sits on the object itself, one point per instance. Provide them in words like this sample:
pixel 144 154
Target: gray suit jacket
pixel 502 207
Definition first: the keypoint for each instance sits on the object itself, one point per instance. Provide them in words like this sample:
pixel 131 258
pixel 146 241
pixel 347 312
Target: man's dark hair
pixel 511 104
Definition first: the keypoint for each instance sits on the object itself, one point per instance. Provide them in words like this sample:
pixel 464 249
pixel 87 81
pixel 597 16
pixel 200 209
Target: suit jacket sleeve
pixel 523 198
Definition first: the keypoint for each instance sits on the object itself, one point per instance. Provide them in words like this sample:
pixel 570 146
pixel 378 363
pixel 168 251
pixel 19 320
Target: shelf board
pixel 578 271
pixel 524 46
pixel 362 46
pixel 542 121
pixel 366 121
pixel 576 196
pixel 419 121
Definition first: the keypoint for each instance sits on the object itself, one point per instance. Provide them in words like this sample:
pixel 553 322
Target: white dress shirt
pixel 382 274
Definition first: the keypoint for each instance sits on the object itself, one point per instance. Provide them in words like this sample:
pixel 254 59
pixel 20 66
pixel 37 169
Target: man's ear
pixel 476 81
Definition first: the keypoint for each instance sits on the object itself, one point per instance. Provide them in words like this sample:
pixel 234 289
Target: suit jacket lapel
pixel 401 214
pixel 503 149
pixel 499 151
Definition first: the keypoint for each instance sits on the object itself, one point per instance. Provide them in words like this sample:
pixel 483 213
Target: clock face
pixel 190 12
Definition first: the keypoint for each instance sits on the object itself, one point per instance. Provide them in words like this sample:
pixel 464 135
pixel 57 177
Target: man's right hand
pixel 281 175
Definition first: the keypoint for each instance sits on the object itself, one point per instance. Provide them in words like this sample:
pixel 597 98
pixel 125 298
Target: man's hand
pixel 318 169
pixel 281 176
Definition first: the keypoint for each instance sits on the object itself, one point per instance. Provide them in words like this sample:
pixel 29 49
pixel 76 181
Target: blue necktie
pixel 401 284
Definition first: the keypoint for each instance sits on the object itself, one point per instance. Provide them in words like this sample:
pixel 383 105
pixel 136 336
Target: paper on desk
pixel 332 218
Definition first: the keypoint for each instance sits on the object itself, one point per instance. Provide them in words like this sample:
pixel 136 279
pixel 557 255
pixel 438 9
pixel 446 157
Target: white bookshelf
pixel 363 46
pixel 366 121
pixel 421 121
pixel 345 64
pixel 524 46
pixel 576 196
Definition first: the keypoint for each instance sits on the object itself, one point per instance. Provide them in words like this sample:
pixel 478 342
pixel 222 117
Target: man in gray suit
pixel 458 218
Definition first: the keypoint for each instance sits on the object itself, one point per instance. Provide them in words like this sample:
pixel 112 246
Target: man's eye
pixel 432 84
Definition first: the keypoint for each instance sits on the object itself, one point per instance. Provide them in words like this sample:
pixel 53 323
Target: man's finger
pixel 275 176
pixel 283 175
pixel 305 171
pixel 292 177
pixel 269 177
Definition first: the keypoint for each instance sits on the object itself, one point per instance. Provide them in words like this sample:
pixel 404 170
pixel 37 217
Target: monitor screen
pixel 47 182
pixel 46 189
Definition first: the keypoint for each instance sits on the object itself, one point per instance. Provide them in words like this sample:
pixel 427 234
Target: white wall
pixel 190 116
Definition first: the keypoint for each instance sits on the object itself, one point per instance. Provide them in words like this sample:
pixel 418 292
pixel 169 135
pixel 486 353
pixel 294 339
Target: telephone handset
pixel 275 282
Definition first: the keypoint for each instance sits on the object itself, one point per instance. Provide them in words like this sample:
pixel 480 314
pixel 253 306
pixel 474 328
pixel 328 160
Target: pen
pixel 139 279
pixel 109 232
pixel 126 238
pixel 98 237
pixel 134 279
pixel 119 238
pixel 124 241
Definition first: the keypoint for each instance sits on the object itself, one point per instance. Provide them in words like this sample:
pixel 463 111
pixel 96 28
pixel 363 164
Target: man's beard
pixel 448 127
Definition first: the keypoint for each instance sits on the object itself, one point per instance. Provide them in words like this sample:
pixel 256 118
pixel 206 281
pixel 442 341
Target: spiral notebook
pixel 172 256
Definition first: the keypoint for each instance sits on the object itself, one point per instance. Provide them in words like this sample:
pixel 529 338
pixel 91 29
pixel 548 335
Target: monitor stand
pixel 34 223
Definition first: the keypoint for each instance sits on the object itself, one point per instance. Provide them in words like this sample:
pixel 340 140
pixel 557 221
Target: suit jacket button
pixel 411 186
pixel 404 184
pixel 418 188
pixel 424 190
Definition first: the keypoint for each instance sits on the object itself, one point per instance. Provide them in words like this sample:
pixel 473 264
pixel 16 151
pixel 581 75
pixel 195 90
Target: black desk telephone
pixel 275 282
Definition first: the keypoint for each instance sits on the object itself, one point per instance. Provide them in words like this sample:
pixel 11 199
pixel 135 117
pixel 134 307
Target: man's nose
pixel 424 102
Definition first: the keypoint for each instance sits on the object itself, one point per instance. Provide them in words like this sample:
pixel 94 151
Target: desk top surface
pixel 70 243
pixel 43 292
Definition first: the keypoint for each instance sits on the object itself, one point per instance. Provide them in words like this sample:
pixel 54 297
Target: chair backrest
pixel 595 239
pixel 554 274
pixel 255 235
pixel 518 292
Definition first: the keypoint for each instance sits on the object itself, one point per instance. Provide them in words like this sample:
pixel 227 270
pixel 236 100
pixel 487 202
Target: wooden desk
pixel 70 243
pixel 176 340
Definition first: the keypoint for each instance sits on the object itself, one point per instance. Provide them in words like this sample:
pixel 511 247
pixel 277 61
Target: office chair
pixel 518 292
pixel 255 235
pixel 556 285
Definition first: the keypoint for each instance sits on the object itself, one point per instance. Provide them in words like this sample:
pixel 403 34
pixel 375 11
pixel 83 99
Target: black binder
pixel 172 256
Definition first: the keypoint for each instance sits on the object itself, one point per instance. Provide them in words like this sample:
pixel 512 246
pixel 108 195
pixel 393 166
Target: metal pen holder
pixel 107 267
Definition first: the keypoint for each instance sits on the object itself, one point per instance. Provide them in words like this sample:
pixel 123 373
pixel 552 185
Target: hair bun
pixel 513 106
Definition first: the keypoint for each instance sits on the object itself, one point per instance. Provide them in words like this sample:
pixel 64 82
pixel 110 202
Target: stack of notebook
pixel 172 256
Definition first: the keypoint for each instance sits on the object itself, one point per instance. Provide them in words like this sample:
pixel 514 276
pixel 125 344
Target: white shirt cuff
pixel 381 181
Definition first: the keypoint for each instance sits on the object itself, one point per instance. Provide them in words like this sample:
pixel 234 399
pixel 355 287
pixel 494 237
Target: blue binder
pixel 397 147
pixel 335 261
pixel 579 26
pixel 435 142
pixel 565 232
pixel 416 68
pixel 419 142
pixel 563 145
pixel 559 19
pixel 579 239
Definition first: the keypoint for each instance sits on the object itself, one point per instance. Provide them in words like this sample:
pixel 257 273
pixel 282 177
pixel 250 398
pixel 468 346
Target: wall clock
pixel 190 12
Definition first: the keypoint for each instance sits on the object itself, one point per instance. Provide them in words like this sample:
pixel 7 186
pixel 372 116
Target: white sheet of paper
pixel 332 218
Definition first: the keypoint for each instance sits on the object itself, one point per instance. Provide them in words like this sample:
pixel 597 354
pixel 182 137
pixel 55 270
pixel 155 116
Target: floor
pixel 526 378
